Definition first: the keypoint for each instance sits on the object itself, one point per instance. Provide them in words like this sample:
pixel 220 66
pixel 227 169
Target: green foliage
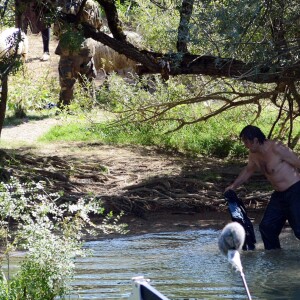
pixel 71 39
pixel 140 93
pixel 51 233
pixel 71 131
pixel 32 283
pixel 227 26
pixel 217 137
pixel 11 64
pixel 138 118
pixel 24 96
pixel 166 20
pixel 8 16
pixel 248 30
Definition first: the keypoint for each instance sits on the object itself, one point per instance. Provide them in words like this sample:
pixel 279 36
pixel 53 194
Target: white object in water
pixel 142 290
pixel 230 242
pixel 232 237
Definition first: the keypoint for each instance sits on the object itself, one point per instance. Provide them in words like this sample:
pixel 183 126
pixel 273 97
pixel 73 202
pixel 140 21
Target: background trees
pixel 234 53
pixel 249 51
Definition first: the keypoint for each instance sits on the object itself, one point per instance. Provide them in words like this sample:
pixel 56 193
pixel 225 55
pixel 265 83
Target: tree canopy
pixel 256 41
pixel 246 41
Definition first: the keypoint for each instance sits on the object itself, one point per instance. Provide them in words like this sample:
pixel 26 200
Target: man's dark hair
pixel 250 132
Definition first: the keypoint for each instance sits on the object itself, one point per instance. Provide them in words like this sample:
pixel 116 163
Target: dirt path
pixel 27 132
pixel 158 191
pixel 36 51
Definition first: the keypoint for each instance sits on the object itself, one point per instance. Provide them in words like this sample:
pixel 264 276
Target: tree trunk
pixel 3 102
pixel 184 28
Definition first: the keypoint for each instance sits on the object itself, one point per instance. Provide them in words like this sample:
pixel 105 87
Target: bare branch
pixel 290 114
pixel 279 115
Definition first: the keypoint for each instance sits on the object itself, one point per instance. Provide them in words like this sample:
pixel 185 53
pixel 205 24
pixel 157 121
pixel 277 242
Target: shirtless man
pixel 280 166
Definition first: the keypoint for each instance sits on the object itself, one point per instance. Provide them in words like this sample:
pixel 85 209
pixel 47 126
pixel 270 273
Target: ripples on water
pixel 187 265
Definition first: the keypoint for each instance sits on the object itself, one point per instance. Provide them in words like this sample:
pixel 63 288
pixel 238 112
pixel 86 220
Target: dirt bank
pixel 158 191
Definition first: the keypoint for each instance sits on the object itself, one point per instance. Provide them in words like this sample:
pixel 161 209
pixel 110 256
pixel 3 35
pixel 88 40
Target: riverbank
pixel 156 190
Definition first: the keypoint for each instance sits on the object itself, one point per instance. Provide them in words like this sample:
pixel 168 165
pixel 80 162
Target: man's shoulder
pixel 276 144
pixel 279 148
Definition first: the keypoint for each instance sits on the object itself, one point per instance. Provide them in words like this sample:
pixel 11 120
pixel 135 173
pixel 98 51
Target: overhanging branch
pixel 174 64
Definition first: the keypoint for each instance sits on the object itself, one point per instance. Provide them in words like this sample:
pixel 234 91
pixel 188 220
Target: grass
pixel 188 140
pixel 218 137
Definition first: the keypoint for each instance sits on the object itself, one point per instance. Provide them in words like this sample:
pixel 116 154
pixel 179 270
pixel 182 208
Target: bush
pixel 51 234
pixel 144 112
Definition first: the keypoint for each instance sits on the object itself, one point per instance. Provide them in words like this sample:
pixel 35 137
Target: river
pixel 187 265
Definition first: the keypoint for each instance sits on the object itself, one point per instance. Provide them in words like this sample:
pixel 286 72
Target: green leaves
pixel 71 39
pixel 51 233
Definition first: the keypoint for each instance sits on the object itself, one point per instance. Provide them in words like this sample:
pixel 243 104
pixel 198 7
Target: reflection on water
pixel 187 265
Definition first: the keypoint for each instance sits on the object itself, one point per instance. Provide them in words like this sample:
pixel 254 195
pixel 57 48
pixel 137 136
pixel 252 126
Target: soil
pixel 157 190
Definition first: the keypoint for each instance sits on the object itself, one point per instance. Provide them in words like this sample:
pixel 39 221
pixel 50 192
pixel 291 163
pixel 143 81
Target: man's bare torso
pixel 270 161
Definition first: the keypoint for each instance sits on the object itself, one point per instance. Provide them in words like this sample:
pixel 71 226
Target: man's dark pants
pixel 282 206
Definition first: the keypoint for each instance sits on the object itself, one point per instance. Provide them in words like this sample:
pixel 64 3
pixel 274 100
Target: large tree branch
pixel 152 62
pixel 125 48
pixel 183 63
pixel 157 112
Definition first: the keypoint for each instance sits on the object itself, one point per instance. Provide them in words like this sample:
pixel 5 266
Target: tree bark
pixel 4 93
pixel 113 21
pixel 183 28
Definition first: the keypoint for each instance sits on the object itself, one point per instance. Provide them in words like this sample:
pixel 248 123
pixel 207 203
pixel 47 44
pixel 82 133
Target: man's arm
pixel 245 174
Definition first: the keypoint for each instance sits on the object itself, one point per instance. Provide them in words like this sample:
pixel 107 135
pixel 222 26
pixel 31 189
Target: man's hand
pixel 230 187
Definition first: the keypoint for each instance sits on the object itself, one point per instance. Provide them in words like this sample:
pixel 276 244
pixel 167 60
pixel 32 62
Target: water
pixel 187 265
pixel 184 266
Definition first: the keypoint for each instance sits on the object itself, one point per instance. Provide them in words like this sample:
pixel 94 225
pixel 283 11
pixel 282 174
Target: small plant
pixel 24 97
pixel 51 234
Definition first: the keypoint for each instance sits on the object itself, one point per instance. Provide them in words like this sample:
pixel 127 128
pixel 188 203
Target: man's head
pixel 252 136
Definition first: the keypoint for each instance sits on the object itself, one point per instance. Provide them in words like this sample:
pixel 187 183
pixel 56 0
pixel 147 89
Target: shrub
pixel 51 234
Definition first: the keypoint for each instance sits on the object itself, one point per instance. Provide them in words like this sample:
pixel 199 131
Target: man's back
pixel 273 159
